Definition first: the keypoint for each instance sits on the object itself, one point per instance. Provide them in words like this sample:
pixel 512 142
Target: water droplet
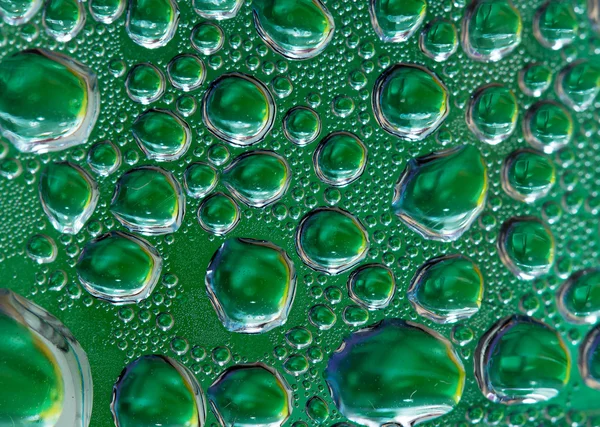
pixel 63 19
pixel 322 317
pixel 331 240
pixel 161 135
pixel 578 85
pixel 372 286
pixel 199 179
pixel 301 125
pixel 43 362
pixel 68 196
pixel 156 390
pixel 106 11
pixel 409 101
pixel 119 268
pixel 440 195
pixel 145 83
pixel 104 158
pixel 521 360
pixel 340 159
pixel 207 38
pixel 299 337
pixel 403 393
pixel 251 395
pixel 238 109
pixel 186 72
pixel 589 358
pixel 218 214
pixel 41 249
pixel 535 79
pixel 578 299
pixel 355 315
pixel 251 285
pixel 217 9
pixel 152 23
pixel 296 365
pixel 149 200
pixel 555 25
pixel 492 113
pixel 19 12
pixel 64 110
pixel 439 40
pixel 527 247
pixel 396 20
pixel 528 175
pixel 258 178
pixel 548 126
pixel 317 410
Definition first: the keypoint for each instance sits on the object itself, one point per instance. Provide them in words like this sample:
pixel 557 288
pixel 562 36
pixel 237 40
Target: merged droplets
pixel 528 175
pixel 578 84
pixel 18 12
pixel 199 179
pixel 63 19
pixel 578 299
pixel 62 107
pixel 217 9
pixel 301 125
pixel 152 23
pixel 372 286
pixel 589 358
pixel 106 11
pixel 440 195
pixel 397 20
pixel 447 289
pixel 251 285
pixel 186 72
pixel 555 25
pixel 409 101
pixel 492 113
pixel 238 109
pixel 491 29
pixel 145 83
pixel 104 158
pixel 521 360
pixel 218 214
pixel 296 29
pixel 258 178
pixel 156 390
pixel 119 268
pixel 439 40
pixel 68 196
pixel 45 373
pixel 149 200
pixel 161 135
pixel 427 384
pixel 331 240
pixel 340 159
pixel 251 395
pixel 548 126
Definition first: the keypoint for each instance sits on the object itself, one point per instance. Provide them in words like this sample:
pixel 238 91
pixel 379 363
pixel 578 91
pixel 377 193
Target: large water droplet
pixel 340 159
pixel 152 23
pixel 63 19
pixel 372 286
pixel 19 12
pixel 578 84
pixel 548 126
pixel 161 135
pixel 217 9
pixel 555 25
pixel 397 20
pixel 528 175
pixel 578 299
pixel 492 113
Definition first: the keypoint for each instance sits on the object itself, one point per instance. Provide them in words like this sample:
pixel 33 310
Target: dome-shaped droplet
pixel 527 247
pixel 63 19
pixel 440 195
pixel 528 175
pixel 555 25
pixel 296 29
pixel 218 214
pixel 447 289
pixel 317 410
pixel 104 158
pixel 409 101
pixel 299 337
pixel 322 317
pixel 301 125
pixel 68 195
pixel 152 23
pixel 589 358
pixel 156 390
pixel 492 113
pixel 397 20
pixel 238 109
pixel 340 159
pixel 535 79
pixel 149 200
pixel 65 106
pixel 161 135
pixel 41 249
pixel 217 9
pixel 251 285
pixel 207 38
pixel 548 126
pixel 331 240
pixel 439 40
pixel 370 386
pixel 491 29
pixel 119 268
pixel 578 84
pixel 258 178
pixel 145 83
pixel 186 72
pixel 521 360
pixel 18 12
pixel 199 179
pixel 372 286
pixel 251 395
pixel 106 11
pixel 46 378
pixel 578 299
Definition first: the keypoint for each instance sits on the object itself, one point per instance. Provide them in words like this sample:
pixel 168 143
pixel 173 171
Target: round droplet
pixel 440 195
pixel 521 360
pixel 68 195
pixel 322 317
pixel 301 125
pixel 145 83
pixel 218 154
pixel 251 395
pixel 589 358
pixel 340 159
pixel 372 286
pixel 402 393
pixel 41 249
pixel 439 40
pixel 409 101
pixel 555 25
pixel 578 85
pixel 161 135
pixel 299 337
pixel 355 315
pixel 295 365
pixel 317 410
pixel 119 268
pixel 106 11
pixel 251 285
pixel 186 72
pixel 199 179
pixel 152 23
pixel 19 12
pixel 331 240
pixel 148 200
pixel 156 390
pixel 217 9
pixel 258 178
pixel 492 113
pixel 491 29
pixel 63 19
pixel 396 20
pixel 207 38
pixel 578 299
pixel 282 87
pixel 104 158
pixel 238 109
pixel 298 29
pixel 218 214
pixel 535 79
pixel 527 247
pixel 447 289
pixel 548 126
pixel 528 175
pixel 65 106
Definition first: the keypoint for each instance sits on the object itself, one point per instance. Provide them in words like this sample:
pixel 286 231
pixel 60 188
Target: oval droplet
pixel 186 72
pixel 340 159
pixel 578 84
pixel 372 286
pixel 106 11
pixel 301 125
pixel 63 19
pixel 396 20
pixel 145 83
pixel 152 23
pixel 528 175
pixel 548 126
pixel 217 9
pixel 492 113
pixel 199 179
pixel 555 25
pixel 218 214
pixel 589 358
pixel 439 40
pixel 578 298
pixel 104 158
pixel 535 79
pixel 41 249
pixel 207 38
pixel 161 135
pixel 19 12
